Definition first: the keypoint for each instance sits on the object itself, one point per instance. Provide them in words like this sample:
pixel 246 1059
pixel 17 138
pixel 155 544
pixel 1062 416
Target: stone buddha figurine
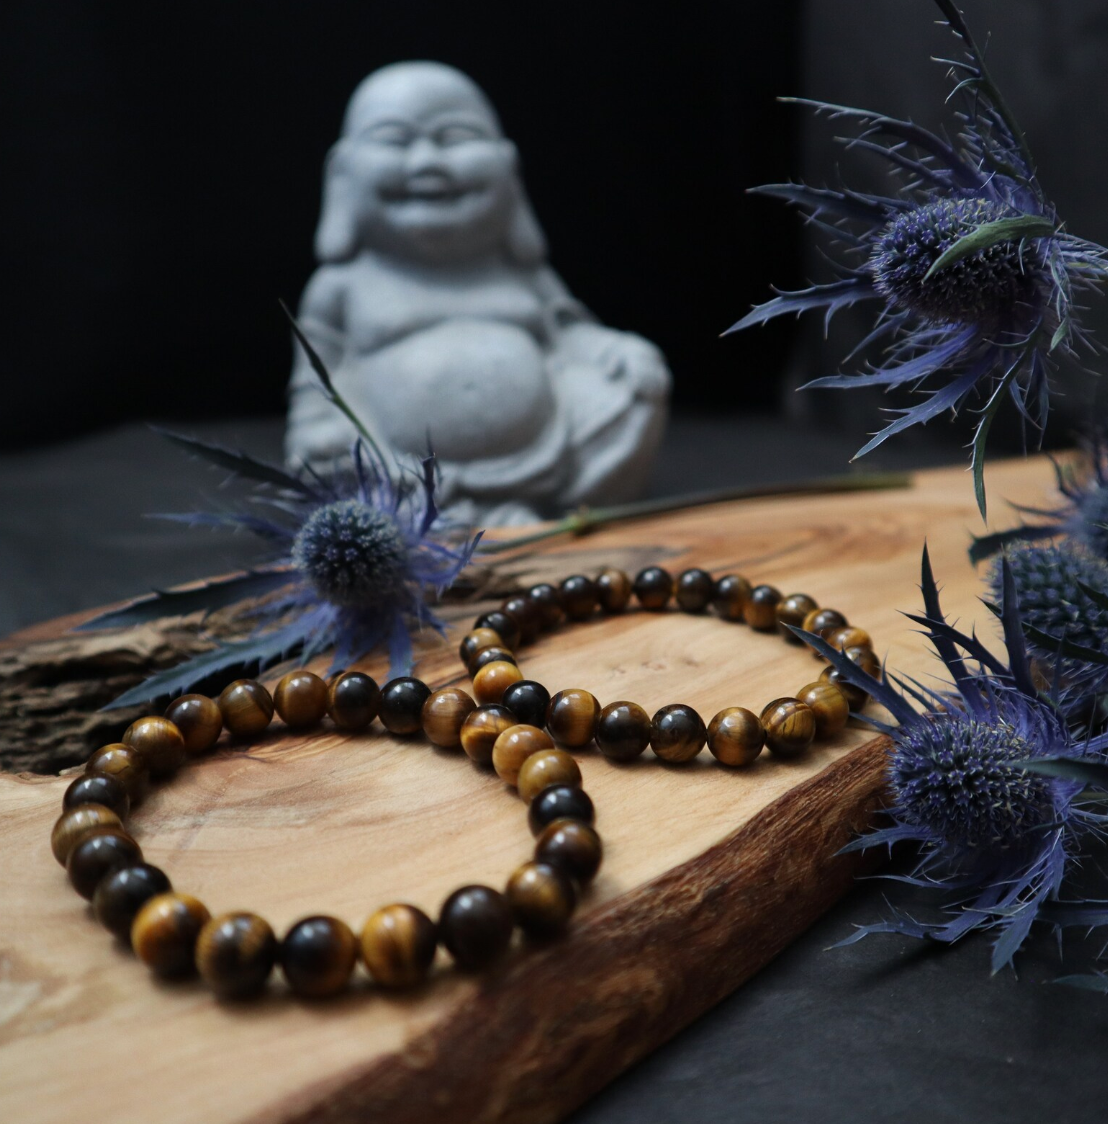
pixel 442 324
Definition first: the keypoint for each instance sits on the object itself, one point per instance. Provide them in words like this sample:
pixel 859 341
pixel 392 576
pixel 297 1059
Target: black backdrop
pixel 162 174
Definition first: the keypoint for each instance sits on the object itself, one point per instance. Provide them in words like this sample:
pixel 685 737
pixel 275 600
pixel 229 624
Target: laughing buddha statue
pixel 442 324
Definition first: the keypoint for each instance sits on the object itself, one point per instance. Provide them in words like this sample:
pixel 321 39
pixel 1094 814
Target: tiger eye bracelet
pixel 513 725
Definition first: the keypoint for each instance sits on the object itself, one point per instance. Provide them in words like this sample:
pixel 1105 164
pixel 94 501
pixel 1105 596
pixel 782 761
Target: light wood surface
pixel 708 872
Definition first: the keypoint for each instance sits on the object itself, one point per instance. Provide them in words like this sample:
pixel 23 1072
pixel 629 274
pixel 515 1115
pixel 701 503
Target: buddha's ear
pixel 526 243
pixel 336 236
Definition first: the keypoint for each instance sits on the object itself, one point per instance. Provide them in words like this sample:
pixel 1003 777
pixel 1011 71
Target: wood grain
pixel 708 872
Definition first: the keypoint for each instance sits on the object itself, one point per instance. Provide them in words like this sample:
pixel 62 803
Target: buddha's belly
pixel 478 388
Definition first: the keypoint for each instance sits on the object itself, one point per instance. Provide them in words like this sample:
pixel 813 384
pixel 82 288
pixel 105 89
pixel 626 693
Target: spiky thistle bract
pixel 972 274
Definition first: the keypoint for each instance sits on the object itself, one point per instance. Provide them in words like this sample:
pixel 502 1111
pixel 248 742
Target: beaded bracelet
pixel 174 934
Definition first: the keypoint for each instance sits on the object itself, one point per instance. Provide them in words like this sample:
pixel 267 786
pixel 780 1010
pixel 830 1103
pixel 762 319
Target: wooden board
pixel 708 873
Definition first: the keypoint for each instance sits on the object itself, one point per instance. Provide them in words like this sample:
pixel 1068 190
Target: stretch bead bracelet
pixel 235 953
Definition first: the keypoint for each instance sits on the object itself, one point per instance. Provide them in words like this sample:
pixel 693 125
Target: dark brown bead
pixel 353 700
pixel 301 699
pixel 849 637
pixel 402 705
pixel 159 741
pixel 490 683
pixel 865 659
pixel 318 956
pixel 99 854
pixel 793 610
pixel 790 726
pixel 481 729
pixel 580 597
pixel 476 641
pixel 78 824
pixel 822 621
pixel 548 602
pixel 528 701
pixel 828 704
pixel 695 589
pixel 560 802
pixel 98 788
pixel 613 590
pixel 623 731
pixel 123 892
pixel 199 720
pixel 736 737
pixel 503 625
pixel 855 696
pixel 443 714
pixel 246 706
pixel 571 846
pixel 123 762
pixel 527 616
pixel 490 655
pixel 760 611
pixel 235 954
pixel 398 945
pixel 730 596
pixel 475 926
pixel 653 587
pixel 514 746
pixel 542 899
pixel 677 733
pixel 546 768
pixel 572 716
pixel 164 933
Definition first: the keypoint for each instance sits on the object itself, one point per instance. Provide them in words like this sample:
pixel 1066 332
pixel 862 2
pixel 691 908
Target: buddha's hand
pixel 621 358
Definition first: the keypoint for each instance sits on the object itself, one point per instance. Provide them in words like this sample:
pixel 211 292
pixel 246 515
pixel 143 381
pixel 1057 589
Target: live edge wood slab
pixel 708 872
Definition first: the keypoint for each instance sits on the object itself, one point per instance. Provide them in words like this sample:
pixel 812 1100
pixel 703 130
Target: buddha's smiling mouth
pixel 426 189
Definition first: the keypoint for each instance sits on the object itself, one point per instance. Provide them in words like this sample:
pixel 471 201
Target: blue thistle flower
pixel 975 276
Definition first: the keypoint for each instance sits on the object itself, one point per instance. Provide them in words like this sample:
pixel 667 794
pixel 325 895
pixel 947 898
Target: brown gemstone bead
pixel 527 617
pixel 677 733
pixel 318 956
pixel 822 621
pixel 481 729
pixel 475 926
pixel 790 726
pixel 79 823
pixel 613 590
pixel 301 699
pixel 653 587
pixel 849 637
pixel 546 768
pixel 98 788
pixel 159 742
pixel 503 625
pixel 490 683
pixel 735 736
pixel 571 846
pixel 855 696
pixel 398 945
pixel 623 731
pixel 793 610
pixel 402 705
pixel 730 596
pixel 828 704
pixel 199 720
pixel 695 590
pixel 246 706
pixel 514 746
pixel 760 610
pixel 548 603
pixel 865 659
pixel 542 899
pixel 235 953
pixel 165 930
pixel 123 892
pixel 353 700
pixel 99 854
pixel 560 802
pixel 123 762
pixel 476 641
pixel 443 714
pixel 580 597
pixel 490 655
pixel 572 716
pixel 528 701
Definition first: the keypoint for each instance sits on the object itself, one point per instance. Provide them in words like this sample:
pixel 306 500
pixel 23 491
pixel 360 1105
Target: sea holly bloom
pixel 973 277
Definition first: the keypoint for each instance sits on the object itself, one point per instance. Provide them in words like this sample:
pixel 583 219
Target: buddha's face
pixel 432 176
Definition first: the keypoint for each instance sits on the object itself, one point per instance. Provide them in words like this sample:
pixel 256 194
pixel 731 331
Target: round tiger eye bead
pixel 580 597
pixel 623 731
pixel 477 641
pixel 123 892
pixel 849 637
pixel 613 590
pixel 793 610
pixel 123 762
pixel 514 746
pixel 760 610
pixel 855 696
pixel 542 899
pixel 159 742
pixel 571 846
pixel 398 945
pixel 443 714
pixel 730 596
pixel 490 655
pixel 560 802
pixel 246 706
pixel 235 954
pixel 503 625
pixel 528 701
pixel 402 703
pixel 790 727
pixel 822 621
pixel 318 956
pixel 695 589
pixel 524 610
pixel 490 683
pixel 548 602
pixel 653 587
pixel 78 824
pixel 98 788
pixel 301 699
pixel 354 700
pixel 99 854
pixel 677 733
pixel 735 737
pixel 865 659
pixel 828 704
pixel 572 716
pixel 481 729
pixel 199 720
pixel 475 926
pixel 165 930
pixel 545 768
